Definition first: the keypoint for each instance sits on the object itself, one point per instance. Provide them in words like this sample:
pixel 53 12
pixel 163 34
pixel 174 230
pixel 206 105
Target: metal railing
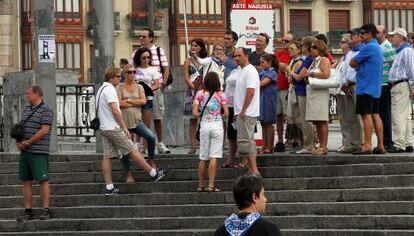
pixel 75 106
pixel 335 37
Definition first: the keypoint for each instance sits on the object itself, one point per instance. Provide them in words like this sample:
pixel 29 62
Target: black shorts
pixel 231 132
pixel 367 105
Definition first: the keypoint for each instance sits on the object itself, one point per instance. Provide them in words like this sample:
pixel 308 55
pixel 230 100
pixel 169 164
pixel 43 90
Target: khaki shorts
pixel 245 135
pixel 282 102
pixel 158 102
pixel 114 141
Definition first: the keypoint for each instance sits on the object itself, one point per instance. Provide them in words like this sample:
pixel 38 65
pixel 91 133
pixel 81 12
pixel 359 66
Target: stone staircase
pixel 331 195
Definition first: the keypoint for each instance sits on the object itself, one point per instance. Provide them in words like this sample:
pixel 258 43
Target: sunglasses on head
pixel 131 72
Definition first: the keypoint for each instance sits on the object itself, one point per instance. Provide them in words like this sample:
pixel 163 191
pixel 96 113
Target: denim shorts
pixel 149 105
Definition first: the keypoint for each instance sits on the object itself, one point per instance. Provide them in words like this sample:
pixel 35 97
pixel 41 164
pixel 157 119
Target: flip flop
pixel 201 189
pixel 213 190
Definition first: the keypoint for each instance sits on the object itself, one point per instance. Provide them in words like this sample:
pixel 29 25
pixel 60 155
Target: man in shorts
pixel 368 64
pixel 37 119
pixel 115 135
pixel 247 108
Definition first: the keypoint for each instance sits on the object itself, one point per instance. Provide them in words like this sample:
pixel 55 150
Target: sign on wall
pixel 248 20
pixel 47 48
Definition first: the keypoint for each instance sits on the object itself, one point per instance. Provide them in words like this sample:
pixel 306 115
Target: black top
pixel 260 227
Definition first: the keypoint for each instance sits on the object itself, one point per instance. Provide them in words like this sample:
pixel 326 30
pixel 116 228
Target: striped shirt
pixel 388 52
pixel 42 116
pixel 403 67
pixel 155 62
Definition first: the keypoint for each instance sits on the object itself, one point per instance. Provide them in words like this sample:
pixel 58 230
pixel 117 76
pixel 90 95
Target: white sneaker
pixel 162 149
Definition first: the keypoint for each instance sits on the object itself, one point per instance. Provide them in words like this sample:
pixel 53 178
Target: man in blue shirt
pixel 368 64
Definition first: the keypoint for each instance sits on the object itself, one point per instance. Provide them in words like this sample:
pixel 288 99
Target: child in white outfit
pixel 211 128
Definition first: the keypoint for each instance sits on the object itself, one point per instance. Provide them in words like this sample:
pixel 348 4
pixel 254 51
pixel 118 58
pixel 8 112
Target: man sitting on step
pixel 115 135
pixel 250 198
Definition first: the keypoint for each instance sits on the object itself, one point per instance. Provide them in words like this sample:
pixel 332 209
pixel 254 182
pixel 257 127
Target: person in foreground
pixel 249 196
pixel 37 119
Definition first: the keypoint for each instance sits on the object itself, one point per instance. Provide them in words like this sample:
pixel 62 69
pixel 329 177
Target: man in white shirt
pixel 161 63
pixel 247 108
pixel 401 81
pixel 115 135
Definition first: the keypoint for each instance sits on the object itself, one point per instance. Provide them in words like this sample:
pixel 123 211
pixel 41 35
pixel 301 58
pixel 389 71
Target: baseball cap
pixel 399 31
pixel 356 30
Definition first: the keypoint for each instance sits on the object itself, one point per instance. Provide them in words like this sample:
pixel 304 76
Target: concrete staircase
pixel 331 195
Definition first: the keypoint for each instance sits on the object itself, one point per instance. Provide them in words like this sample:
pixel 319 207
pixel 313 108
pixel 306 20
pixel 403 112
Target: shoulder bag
pixel 95 123
pixel 333 81
pixel 201 117
pixel 17 131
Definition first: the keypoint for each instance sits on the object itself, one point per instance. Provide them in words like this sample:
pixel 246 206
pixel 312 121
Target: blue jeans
pixel 143 131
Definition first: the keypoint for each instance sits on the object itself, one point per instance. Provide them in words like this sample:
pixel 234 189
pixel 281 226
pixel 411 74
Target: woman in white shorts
pixel 208 105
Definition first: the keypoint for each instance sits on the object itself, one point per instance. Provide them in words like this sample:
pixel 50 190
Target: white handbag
pixel 333 81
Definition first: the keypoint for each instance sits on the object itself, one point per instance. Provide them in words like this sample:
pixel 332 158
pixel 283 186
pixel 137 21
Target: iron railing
pixel 335 37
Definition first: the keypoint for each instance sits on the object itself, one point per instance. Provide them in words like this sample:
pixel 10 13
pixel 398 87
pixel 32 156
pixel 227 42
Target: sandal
pixel 225 165
pixel 201 189
pixel 241 165
pixel 213 189
pixel 320 152
pixel 192 151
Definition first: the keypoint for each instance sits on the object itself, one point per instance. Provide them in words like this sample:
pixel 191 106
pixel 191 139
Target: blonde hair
pixel 347 38
pixel 110 73
pixel 128 66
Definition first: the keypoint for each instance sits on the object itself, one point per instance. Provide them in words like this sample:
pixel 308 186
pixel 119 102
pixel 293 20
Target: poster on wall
pixel 47 48
pixel 249 20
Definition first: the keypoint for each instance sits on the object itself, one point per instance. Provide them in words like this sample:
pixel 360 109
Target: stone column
pixel 45 51
pixel 103 41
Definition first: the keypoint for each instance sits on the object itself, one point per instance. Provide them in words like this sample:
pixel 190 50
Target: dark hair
pixel 150 32
pixel 233 35
pixel 36 89
pixel 110 73
pixel 307 42
pixel 272 59
pixel 266 36
pixel 200 42
pixel 138 54
pixel 243 190
pixel 244 50
pixel 370 28
pixel 123 61
pixel 212 82
pixel 322 37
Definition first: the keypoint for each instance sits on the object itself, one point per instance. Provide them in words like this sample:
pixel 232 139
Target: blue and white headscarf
pixel 239 227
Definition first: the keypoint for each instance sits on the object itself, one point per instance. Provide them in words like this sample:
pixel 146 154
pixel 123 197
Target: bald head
pixel 382 33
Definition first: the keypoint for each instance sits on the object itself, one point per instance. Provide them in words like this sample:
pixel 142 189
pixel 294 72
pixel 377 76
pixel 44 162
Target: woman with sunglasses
pixel 317 103
pixel 132 97
pixel 148 76
pixel 193 72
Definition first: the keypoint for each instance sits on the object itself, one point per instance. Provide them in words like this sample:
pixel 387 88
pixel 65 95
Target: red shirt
pixel 283 57
pixel 330 58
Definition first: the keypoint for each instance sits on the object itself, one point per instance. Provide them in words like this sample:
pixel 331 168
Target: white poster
pixel 47 48
pixel 248 20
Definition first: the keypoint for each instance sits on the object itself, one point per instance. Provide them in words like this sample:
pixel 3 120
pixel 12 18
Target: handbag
pixel 95 123
pixel 201 117
pixel 333 81
pixel 17 131
pixel 170 78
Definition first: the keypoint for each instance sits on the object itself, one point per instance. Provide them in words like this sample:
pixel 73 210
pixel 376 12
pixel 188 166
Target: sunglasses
pixel 145 58
pixel 286 41
pixel 118 76
pixel 143 36
pixel 344 42
pixel 314 47
pixel 293 48
pixel 131 72
pixel 362 32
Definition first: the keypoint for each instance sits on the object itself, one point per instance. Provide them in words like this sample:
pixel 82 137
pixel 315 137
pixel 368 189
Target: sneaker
pixel 25 217
pixel 162 149
pixel 45 215
pixel 160 174
pixel 113 191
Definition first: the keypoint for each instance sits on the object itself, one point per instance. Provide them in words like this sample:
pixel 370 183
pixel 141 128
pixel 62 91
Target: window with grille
pixel 68 56
pixel 392 18
pixel 67 8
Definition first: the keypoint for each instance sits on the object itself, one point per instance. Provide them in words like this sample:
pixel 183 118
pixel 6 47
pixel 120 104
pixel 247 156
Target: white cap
pixel 399 31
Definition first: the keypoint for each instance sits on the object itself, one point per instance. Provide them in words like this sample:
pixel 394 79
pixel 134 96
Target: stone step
pixel 59 175
pixel 196 232
pixel 275 158
pixel 282 196
pixel 272 209
pixel 346 182
pixel 401 222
